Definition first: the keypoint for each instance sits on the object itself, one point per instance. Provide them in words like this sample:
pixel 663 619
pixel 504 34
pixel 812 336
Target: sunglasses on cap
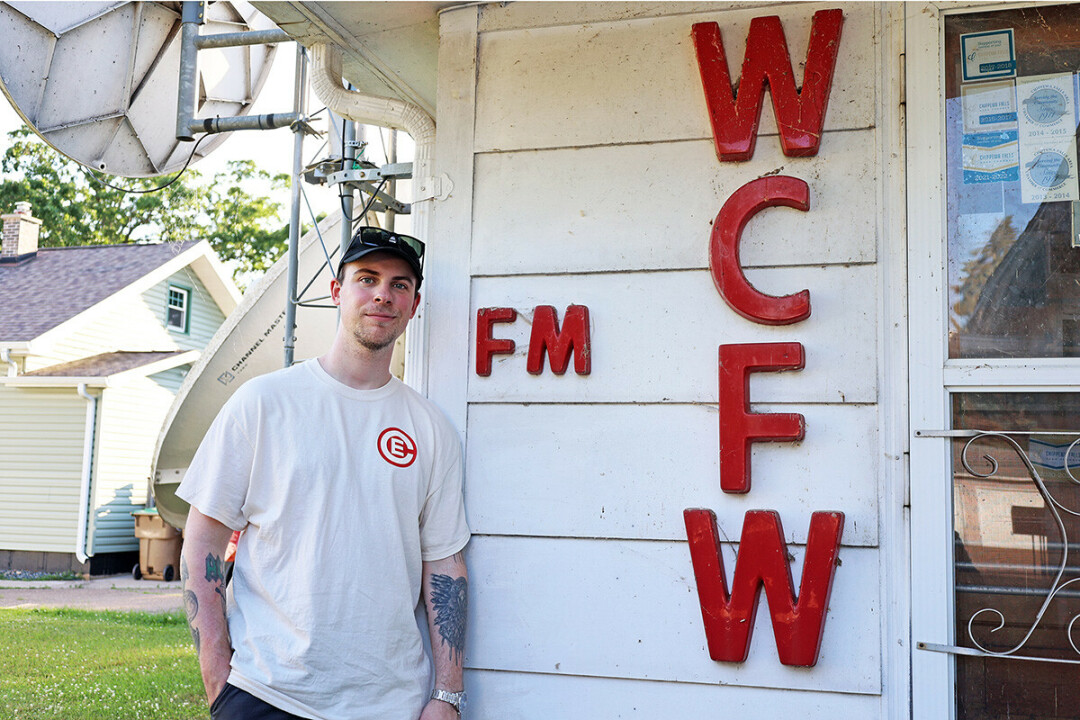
pixel 373 239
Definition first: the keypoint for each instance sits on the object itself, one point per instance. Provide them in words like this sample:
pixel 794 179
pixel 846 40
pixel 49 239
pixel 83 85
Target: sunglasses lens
pixel 415 245
pixel 377 237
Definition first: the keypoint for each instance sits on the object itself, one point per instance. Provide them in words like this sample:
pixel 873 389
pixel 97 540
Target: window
pixel 1014 524
pixel 176 312
pixel 994 272
pixel 1014 254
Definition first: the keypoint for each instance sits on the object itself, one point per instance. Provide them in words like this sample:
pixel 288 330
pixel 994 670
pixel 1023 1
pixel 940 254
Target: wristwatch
pixel 457 699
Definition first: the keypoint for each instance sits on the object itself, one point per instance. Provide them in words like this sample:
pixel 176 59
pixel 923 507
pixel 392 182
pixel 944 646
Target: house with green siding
pixel 94 344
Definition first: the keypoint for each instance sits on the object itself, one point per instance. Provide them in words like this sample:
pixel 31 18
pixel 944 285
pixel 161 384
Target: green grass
pixel 34 577
pixel 85 665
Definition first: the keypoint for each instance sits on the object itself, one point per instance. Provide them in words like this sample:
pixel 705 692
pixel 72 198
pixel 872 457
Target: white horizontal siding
pixel 133 322
pixel 41 448
pixel 594 181
pixel 131 418
pixel 172 379
pixel 652 206
pixel 497 695
pixel 204 316
pixel 629 609
pixel 124 322
pixel 630 81
pixel 655 337
pixel 629 471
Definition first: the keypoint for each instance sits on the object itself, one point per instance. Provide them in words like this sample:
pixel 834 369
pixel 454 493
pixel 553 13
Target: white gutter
pixel 87 468
pixel 399 115
pixel 55 381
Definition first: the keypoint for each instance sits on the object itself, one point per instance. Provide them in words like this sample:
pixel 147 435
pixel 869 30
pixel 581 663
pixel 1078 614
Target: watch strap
pixel 457 699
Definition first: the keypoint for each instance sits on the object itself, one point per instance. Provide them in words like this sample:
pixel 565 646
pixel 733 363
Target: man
pixel 347 485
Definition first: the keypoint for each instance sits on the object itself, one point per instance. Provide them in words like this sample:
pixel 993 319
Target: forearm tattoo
pixel 191 603
pixel 215 571
pixel 450 600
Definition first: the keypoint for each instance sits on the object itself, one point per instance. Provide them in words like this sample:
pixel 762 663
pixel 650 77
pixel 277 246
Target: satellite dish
pixel 246 345
pixel 98 80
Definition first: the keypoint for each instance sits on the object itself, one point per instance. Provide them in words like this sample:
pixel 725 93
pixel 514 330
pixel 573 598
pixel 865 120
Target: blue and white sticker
pixel 1046 119
pixel 991 157
pixel 988 55
pixel 1048 174
pixel 988 106
pixel 1047 107
pixel 1052 456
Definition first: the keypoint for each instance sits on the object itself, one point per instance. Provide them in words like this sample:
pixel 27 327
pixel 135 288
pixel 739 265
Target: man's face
pixel 377 297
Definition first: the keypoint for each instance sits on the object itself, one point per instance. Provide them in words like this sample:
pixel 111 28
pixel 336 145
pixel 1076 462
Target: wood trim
pixel 448 281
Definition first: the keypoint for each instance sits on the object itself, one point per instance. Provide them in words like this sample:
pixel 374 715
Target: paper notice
pixel 1047 128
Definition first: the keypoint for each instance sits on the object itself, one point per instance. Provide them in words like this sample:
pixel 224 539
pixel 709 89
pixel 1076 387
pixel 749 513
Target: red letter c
pixel 727 273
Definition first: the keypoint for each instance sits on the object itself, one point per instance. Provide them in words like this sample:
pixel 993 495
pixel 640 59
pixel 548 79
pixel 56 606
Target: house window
pixel 176 313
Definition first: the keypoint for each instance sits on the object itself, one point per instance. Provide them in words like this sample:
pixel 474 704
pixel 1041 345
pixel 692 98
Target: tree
pixel 981 266
pixel 242 224
pixel 232 211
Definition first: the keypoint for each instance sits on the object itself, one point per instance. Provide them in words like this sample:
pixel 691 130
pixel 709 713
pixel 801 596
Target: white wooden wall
pixel 577 139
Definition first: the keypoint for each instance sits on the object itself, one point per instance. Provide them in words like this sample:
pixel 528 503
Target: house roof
pixel 105 364
pixel 105 370
pixel 57 284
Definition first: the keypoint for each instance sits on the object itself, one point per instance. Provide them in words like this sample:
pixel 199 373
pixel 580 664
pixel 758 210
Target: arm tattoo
pixel 215 570
pixel 450 600
pixel 191 603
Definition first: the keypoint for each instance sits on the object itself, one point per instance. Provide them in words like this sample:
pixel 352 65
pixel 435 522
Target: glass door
pixel 994 287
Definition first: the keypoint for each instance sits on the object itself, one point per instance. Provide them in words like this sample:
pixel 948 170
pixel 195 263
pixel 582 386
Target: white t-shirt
pixel 340 493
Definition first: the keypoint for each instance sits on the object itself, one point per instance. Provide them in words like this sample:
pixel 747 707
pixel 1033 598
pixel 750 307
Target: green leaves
pixel 233 210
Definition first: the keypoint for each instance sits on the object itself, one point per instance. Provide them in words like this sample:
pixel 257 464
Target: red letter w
pixel 763 560
pixel 799 115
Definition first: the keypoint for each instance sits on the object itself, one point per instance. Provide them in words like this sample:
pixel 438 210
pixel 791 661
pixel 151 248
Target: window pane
pixel 176 318
pixel 1011 123
pixel 176 312
pixel 1009 548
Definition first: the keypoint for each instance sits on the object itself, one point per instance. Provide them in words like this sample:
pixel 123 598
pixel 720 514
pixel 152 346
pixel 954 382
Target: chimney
pixel 20 234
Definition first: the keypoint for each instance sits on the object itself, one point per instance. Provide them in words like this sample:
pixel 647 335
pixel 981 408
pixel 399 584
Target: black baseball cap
pixel 373 239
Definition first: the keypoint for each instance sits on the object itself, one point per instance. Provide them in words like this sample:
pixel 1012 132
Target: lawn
pixel 83 665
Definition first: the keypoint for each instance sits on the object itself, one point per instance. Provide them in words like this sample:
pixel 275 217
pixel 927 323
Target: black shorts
pixel 232 703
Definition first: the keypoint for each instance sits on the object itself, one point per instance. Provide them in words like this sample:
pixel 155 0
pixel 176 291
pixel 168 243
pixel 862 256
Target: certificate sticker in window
pixel 988 55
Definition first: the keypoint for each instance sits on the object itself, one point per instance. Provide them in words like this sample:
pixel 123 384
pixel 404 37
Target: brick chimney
pixel 20 234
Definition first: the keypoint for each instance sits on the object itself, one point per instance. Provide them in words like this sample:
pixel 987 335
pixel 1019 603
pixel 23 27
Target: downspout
pixel 13 367
pixel 398 115
pixel 87 469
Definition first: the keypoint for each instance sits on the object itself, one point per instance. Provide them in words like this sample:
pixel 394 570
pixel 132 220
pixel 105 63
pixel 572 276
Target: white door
pixel 994 288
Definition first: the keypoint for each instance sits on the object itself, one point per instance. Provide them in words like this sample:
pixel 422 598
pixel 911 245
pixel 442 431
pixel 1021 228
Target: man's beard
pixel 372 345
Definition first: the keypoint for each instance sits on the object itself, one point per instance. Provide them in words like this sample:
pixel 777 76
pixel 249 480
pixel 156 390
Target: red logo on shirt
pixel 397 448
